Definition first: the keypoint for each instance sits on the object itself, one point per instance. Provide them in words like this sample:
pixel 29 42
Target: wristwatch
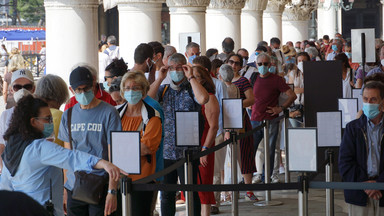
pixel 112 191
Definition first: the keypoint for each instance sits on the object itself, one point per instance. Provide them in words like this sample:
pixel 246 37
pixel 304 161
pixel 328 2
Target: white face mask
pixel 300 66
pixel 20 94
pixel 382 62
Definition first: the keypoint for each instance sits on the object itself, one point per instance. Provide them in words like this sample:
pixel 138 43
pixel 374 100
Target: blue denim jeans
pixel 258 136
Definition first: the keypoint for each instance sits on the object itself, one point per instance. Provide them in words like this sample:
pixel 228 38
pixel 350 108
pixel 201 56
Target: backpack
pixel 197 108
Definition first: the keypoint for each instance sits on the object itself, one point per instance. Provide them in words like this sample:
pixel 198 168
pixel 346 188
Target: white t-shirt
pixel 298 82
pixel 5 119
pixel 347 89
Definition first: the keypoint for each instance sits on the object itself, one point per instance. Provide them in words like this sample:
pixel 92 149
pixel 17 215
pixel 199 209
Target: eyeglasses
pixel 106 77
pixel 17 87
pixel 231 62
pixel 81 90
pixel 263 63
pixel 49 119
pixel 134 88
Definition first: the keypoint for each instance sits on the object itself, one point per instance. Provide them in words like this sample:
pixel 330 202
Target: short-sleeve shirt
pixel 243 84
pixel 175 100
pixel 267 91
pixel 5 120
pixel 90 131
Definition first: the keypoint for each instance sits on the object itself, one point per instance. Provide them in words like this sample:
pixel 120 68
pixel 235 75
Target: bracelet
pixel 192 77
pixel 205 147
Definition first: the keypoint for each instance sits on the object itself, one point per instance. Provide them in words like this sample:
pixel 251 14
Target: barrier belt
pixel 226 187
pixel 161 173
pixel 346 185
pixel 200 154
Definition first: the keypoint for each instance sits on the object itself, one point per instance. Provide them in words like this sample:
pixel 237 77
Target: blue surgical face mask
pixel 48 129
pixel 190 59
pixel 371 110
pixel 257 53
pixel 334 47
pixel 176 76
pixel 85 98
pixel 263 69
pixel 105 85
pixel 272 69
pixel 133 97
pixel 349 55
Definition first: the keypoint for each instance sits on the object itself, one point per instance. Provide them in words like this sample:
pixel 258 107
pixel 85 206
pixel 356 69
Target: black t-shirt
pixel 18 203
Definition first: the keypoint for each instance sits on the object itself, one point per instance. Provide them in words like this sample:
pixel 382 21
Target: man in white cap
pixel 22 84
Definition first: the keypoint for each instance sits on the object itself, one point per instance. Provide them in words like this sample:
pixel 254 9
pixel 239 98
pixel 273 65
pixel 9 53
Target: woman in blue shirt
pixel 30 161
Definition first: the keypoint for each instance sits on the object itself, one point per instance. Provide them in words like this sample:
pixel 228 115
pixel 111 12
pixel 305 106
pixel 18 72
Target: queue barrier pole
pixel 235 194
pixel 126 196
pixel 303 195
pixel 329 178
pixel 287 175
pixel 188 172
pixel 267 167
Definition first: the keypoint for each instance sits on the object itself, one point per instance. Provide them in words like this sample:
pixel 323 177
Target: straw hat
pixel 291 52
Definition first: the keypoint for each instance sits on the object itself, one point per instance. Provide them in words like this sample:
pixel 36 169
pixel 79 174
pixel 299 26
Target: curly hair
pixel 27 108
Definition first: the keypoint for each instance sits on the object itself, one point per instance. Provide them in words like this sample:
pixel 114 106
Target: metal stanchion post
pixel 287 174
pixel 329 178
pixel 235 194
pixel 303 196
pixel 188 172
pixel 267 178
pixel 126 189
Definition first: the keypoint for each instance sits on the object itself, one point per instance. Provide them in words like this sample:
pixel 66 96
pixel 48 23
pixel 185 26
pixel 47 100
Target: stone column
pixel 252 23
pixel 272 20
pixel 296 20
pixel 326 19
pixel 187 16
pixel 71 35
pixel 139 22
pixel 223 20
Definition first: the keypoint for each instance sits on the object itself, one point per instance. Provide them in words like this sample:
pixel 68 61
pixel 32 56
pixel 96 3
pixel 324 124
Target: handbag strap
pixel 69 117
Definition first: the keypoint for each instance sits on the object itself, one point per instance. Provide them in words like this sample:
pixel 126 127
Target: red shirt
pixel 101 94
pixel 267 91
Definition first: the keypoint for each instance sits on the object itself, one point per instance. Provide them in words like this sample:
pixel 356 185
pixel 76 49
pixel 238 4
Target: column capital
pixel 71 3
pixel 300 11
pixel 227 4
pixel 276 6
pixel 139 1
pixel 253 5
pixel 188 3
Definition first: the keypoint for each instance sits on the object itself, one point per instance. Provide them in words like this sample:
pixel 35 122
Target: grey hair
pixel 52 88
pixel 111 39
pixel 226 73
pixel 192 45
pixel 89 67
pixel 312 51
pixel 168 51
pixel 264 55
pixel 177 58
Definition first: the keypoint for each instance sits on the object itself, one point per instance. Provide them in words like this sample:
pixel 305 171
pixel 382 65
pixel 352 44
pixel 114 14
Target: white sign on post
pixel 356 93
pixel 302 149
pixel 184 37
pixel 369 45
pixel 348 107
pixel 187 129
pixel 125 151
pixel 329 128
pixel 232 113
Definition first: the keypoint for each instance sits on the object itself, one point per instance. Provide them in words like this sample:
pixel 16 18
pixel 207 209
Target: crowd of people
pixel 37 138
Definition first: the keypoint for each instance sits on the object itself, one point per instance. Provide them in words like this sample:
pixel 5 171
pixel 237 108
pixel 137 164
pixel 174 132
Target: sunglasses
pixel 263 63
pixel 234 62
pixel 17 87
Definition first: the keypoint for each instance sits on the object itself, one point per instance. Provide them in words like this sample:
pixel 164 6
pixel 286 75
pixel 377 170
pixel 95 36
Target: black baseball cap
pixel 80 76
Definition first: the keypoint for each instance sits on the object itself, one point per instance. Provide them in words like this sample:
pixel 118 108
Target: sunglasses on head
pixel 263 63
pixel 234 62
pixel 17 87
